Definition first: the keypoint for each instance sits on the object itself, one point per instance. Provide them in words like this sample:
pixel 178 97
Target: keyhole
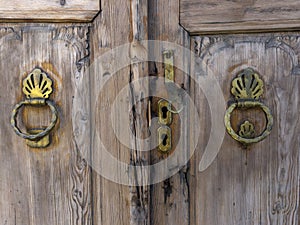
pixel 164 137
pixel 164 112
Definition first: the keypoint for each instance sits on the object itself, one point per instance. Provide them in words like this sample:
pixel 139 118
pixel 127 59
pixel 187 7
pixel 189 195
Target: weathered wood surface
pixel 45 10
pixel 259 185
pixel 64 183
pixel 170 198
pixel 202 16
pixel 51 185
pixel 121 23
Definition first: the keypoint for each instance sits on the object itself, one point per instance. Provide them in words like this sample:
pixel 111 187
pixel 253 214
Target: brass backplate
pixel 41 143
pixel 37 85
pixel 247 85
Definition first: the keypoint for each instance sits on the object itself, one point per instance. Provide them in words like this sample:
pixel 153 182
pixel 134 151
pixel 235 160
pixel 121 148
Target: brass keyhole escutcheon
pixel 37 87
pixel 164 139
pixel 164 132
pixel 164 114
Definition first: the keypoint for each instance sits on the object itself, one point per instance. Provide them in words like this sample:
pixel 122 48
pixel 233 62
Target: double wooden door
pixel 103 164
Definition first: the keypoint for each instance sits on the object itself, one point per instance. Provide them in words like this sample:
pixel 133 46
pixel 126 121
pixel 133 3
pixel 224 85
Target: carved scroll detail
pixel 291 45
pixel 76 37
pixel 10 33
pixel 205 47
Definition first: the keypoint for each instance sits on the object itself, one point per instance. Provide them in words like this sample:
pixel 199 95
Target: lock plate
pixel 164 114
pixel 168 59
pixel 164 139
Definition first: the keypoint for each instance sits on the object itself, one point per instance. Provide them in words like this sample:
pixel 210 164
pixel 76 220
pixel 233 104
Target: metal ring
pixel 169 107
pixel 248 104
pixel 35 102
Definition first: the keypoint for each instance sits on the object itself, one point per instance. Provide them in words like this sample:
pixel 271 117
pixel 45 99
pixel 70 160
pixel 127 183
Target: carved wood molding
pixel 76 37
pixel 9 33
pixel 289 44
pixel 206 46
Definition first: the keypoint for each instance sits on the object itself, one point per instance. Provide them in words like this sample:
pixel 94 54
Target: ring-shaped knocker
pixel 248 104
pixel 37 87
pixel 33 102
pixel 247 88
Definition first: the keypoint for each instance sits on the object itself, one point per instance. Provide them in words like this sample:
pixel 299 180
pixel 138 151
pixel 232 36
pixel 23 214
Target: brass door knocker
pixel 247 89
pixel 37 87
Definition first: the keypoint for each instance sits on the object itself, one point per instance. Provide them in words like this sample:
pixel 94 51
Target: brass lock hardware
pixel 164 139
pixel 165 111
pixel 37 87
pixel 168 59
pixel 164 114
pixel 247 89
pixel 175 93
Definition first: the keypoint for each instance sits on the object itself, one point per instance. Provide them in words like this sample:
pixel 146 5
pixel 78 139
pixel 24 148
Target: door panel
pixel 49 185
pixel 259 184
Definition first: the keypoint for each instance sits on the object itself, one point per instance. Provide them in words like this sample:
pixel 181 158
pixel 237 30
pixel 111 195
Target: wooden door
pixel 106 85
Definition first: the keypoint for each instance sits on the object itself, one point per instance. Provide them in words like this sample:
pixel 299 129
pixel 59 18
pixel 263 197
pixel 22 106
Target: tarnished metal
pixel 174 92
pixel 40 143
pixel 168 59
pixel 247 130
pixel 37 87
pixel 164 114
pixel 166 108
pixel 164 139
pixel 247 85
pixel 247 89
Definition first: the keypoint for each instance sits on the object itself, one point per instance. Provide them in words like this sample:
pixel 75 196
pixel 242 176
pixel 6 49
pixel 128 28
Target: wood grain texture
pixel 170 199
pixel 129 28
pixel 259 185
pixel 51 185
pixel 44 10
pixel 139 191
pixel 201 16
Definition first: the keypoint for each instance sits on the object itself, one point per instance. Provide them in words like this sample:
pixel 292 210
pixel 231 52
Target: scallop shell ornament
pixel 37 85
pixel 247 85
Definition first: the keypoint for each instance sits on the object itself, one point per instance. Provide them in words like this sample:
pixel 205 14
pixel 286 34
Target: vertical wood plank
pixel 112 28
pixel 170 199
pixel 139 194
pixel 129 28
